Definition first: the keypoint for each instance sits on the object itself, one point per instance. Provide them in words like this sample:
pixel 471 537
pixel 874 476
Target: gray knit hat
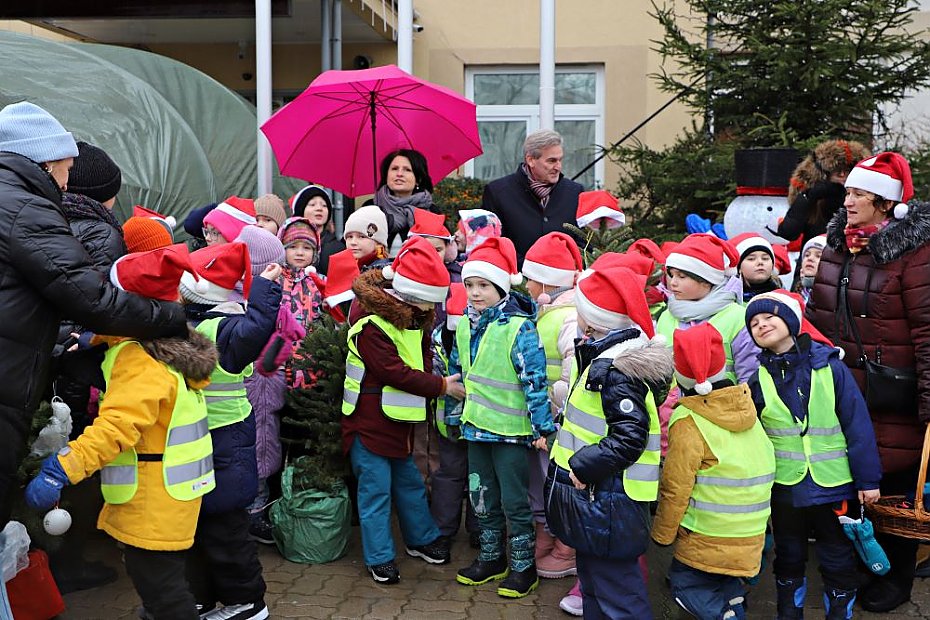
pixel 264 248
pixel 30 131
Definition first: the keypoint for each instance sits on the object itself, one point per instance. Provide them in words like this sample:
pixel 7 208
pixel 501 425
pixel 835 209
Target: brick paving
pixel 343 589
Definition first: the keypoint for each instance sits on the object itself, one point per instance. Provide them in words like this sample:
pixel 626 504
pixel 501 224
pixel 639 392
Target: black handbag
pixel 886 388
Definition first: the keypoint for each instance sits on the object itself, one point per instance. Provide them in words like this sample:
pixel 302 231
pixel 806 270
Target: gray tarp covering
pixel 181 138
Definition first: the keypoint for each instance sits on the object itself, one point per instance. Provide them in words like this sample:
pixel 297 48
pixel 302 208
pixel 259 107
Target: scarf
pixel 399 211
pixel 857 239
pixel 688 311
pixel 80 207
pixel 540 190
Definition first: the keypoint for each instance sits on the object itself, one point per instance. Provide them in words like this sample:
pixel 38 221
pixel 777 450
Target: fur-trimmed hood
pixel 369 289
pixel 652 363
pixel 892 242
pixel 195 357
pixel 827 157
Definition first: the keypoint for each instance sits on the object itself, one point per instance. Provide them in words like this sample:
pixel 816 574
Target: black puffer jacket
pixel 45 275
pixel 95 227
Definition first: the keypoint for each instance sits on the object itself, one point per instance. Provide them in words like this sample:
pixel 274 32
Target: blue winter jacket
pixel 791 373
pixel 529 360
pixel 240 339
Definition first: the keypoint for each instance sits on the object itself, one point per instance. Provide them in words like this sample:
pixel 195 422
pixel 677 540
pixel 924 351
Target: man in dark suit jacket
pixel 536 199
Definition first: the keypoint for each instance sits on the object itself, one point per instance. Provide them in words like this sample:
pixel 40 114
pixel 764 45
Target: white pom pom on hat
pixel 388 272
pixel 170 221
pixel 703 388
pixel 900 211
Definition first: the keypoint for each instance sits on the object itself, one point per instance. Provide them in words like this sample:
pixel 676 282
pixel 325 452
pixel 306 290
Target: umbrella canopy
pixel 338 130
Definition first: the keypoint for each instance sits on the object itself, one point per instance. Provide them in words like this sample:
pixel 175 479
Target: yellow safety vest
pixel 494 398
pixel 817 445
pixel 584 424
pixel 396 404
pixel 728 322
pixel 549 325
pixel 730 499
pixel 227 402
pixel 187 461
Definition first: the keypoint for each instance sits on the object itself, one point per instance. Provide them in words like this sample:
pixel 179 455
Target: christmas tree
pixel 311 425
pixel 28 469
pixel 604 239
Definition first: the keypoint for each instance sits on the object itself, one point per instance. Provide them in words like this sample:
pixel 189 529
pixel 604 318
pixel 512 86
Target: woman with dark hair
pixel 405 185
pixel 871 297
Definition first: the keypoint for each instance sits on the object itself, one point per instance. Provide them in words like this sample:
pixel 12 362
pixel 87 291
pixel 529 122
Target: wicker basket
pixel 890 517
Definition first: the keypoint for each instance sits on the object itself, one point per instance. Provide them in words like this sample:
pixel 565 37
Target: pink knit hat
pixel 230 216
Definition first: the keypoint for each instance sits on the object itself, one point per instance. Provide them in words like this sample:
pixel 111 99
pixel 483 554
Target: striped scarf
pixel 540 190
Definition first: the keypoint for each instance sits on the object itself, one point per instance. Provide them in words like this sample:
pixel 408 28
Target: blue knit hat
pixel 782 304
pixel 30 131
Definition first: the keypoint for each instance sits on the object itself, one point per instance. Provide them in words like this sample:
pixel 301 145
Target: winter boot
pixel 523 578
pixel 791 593
pixel 838 604
pixel 544 541
pixel 491 563
pixel 559 563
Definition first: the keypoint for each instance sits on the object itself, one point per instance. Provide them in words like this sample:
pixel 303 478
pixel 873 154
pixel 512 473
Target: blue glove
pixel 718 230
pixel 862 535
pixel 694 223
pixel 45 489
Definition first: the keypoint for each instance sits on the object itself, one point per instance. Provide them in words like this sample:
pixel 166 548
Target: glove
pixel 694 223
pixel 44 490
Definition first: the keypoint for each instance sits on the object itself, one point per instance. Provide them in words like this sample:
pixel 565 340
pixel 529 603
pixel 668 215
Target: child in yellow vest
pixel 506 410
pixel 551 267
pixel 826 456
pixel 152 401
pixel 716 482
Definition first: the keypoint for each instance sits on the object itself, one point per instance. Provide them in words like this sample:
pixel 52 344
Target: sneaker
pixel 260 530
pixel 572 603
pixel 479 572
pixel 436 552
pixel 519 583
pixel 384 573
pixel 202 610
pixel 248 611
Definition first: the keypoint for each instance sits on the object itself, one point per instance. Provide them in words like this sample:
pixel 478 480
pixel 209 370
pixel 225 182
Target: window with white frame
pixel 508 109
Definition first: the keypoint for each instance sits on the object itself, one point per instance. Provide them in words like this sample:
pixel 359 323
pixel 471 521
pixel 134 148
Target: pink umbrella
pixel 338 130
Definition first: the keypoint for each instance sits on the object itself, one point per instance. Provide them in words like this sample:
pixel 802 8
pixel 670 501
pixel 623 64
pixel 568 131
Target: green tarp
pixel 181 138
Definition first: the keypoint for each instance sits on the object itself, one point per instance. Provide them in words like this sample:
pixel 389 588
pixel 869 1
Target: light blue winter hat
pixel 30 131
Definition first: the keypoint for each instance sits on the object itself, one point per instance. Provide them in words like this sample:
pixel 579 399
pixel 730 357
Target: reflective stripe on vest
pixel 494 397
pixel 729 322
pixel 584 424
pixel 397 405
pixel 227 402
pixel 187 461
pixel 730 499
pixel 820 448
pixel 549 325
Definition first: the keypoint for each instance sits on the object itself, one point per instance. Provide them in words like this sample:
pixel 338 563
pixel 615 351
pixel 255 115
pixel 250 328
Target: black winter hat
pixel 300 199
pixel 193 223
pixel 94 174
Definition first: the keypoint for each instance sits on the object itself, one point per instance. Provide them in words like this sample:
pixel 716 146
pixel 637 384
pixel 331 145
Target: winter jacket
pixel 621 378
pixel 266 394
pixel 527 357
pixel 45 276
pixel 888 282
pixel 523 220
pixel 383 366
pixel 558 391
pixel 136 412
pixel 797 221
pixel 95 227
pixel 730 408
pixel 791 373
pixel 329 245
pixel 240 337
pixel 302 297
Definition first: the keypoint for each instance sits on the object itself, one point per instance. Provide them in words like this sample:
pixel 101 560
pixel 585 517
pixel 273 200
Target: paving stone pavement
pixel 343 590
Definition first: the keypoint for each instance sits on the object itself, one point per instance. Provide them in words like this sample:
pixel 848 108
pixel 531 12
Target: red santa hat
pixel 700 360
pixel 705 256
pixel 429 224
pixel 887 175
pixel 648 248
pixel 418 273
pixel 455 304
pixel 494 260
pixel 155 274
pixel 613 298
pixel 554 260
pixel 782 260
pixel 231 216
pixel 598 205
pixel 219 268
pixel 749 242
pixel 340 274
pixel 167 221
pixel 789 307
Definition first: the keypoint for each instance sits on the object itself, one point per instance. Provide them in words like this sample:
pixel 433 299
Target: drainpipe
pixel 405 35
pixel 263 91
pixel 546 64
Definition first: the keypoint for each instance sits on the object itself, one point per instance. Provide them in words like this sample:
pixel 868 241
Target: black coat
pixel 45 276
pixel 522 219
pixel 329 245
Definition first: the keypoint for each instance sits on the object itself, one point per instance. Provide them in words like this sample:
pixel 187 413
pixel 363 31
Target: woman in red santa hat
pixel 871 296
